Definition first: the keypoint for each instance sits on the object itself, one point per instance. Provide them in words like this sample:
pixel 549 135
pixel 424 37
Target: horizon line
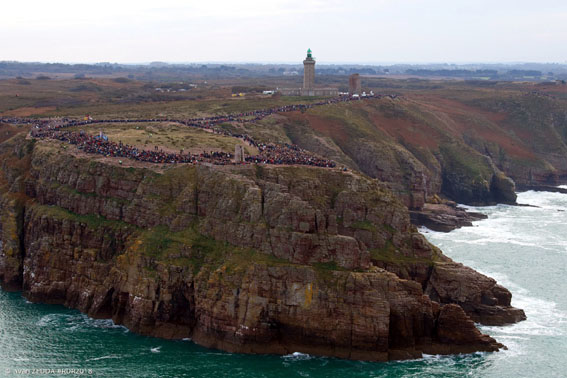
pixel 266 63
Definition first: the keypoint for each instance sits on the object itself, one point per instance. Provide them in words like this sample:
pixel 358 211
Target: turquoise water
pixel 524 248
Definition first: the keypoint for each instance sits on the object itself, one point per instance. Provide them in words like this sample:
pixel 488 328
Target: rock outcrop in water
pixel 444 217
pixel 245 259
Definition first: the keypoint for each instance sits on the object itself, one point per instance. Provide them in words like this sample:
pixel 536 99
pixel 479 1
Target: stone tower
pixel 354 86
pixel 309 72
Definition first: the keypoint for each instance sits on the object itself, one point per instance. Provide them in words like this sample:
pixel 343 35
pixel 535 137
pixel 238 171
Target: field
pixel 106 98
pixel 171 137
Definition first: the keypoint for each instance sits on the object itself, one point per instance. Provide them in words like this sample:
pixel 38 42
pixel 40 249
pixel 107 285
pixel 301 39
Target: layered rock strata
pixel 245 259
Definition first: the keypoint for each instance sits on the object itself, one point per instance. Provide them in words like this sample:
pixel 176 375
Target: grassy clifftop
pixel 432 139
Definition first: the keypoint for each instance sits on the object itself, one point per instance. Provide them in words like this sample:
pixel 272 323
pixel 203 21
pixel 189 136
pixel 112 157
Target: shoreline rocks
pixel 444 217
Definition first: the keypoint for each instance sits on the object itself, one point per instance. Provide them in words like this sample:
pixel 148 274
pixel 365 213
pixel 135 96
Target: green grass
pixel 364 225
pixel 176 176
pixel 91 220
pixel 464 161
pixel 325 271
pixel 389 254
pixel 189 248
pixel 64 190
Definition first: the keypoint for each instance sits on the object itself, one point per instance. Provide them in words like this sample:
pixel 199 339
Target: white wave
pixel 102 323
pixel 429 358
pixel 110 356
pixel 297 356
pixel 156 349
pixel 425 230
pixel 51 320
pixel 20 359
pixel 432 356
pixel 503 229
pixel 501 240
pixel 543 316
pixel 543 319
pixel 544 200
pixel 43 321
pixel 186 339
pixel 76 322
pixel 444 360
pixel 511 337
pixel 523 248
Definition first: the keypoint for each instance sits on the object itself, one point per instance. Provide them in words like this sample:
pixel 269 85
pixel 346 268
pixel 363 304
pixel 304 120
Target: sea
pixel 523 247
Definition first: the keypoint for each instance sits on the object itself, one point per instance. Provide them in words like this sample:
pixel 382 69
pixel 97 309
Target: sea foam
pixel 297 356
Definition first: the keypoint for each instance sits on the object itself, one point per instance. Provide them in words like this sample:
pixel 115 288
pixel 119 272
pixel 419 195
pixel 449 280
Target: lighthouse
pixel 309 71
pixel 308 88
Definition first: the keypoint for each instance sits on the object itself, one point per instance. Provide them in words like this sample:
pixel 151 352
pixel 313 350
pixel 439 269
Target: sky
pixel 280 31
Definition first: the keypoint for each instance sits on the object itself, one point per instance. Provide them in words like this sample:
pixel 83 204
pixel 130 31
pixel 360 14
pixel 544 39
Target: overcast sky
pixel 364 31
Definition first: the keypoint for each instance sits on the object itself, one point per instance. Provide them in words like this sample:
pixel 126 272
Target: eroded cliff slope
pixel 247 259
pixel 471 144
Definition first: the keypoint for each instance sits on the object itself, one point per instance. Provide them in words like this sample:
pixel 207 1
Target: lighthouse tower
pixel 308 88
pixel 309 72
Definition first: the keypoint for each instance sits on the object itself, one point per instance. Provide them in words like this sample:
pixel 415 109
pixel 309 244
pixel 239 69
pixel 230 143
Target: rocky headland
pixel 467 143
pixel 250 259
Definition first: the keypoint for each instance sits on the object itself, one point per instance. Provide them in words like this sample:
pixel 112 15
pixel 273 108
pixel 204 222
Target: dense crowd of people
pixel 102 146
pixel 269 153
pixel 288 154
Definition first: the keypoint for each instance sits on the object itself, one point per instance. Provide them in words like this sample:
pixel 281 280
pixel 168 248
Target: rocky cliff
pixel 246 259
pixel 473 145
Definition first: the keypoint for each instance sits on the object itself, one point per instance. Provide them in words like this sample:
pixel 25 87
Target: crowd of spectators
pixel 287 154
pixel 100 145
pixel 269 153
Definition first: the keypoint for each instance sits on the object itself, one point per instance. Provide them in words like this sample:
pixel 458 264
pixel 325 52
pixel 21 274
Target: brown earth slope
pixel 470 144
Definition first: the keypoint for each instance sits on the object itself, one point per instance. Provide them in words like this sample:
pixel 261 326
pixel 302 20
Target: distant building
pixel 354 86
pixel 309 88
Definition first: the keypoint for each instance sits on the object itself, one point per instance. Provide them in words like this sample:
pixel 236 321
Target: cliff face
pixel 471 145
pixel 247 259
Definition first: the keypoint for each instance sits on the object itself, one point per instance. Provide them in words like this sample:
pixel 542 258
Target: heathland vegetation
pixel 458 139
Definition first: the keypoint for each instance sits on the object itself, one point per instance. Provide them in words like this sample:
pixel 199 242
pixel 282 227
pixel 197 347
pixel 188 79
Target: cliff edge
pixel 250 259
